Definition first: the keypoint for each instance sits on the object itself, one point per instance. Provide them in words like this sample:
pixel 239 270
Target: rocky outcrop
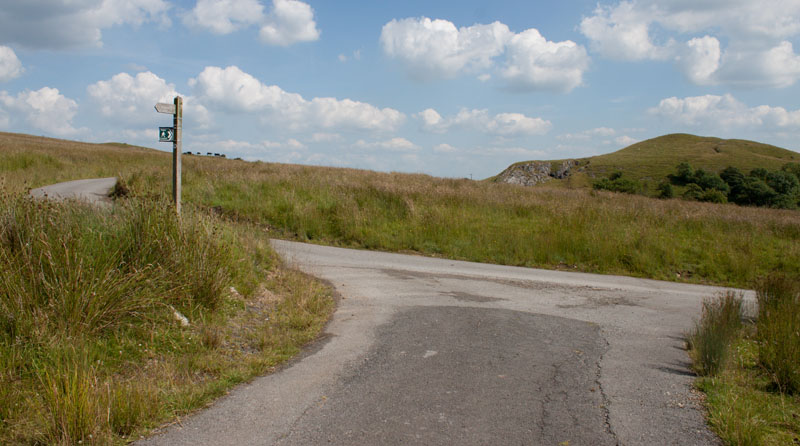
pixel 535 172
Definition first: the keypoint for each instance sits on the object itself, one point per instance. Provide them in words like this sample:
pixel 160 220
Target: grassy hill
pixel 115 321
pixel 575 229
pixel 653 159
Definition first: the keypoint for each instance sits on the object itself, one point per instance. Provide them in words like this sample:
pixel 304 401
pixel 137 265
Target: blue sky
pixel 448 88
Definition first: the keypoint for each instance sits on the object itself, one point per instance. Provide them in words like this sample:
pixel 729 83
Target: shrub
pixel 693 192
pixel 719 325
pixel 793 168
pixel 713 196
pixel 778 330
pixel 665 190
pixel 616 183
pixel 710 181
pixel 783 182
pixel 683 175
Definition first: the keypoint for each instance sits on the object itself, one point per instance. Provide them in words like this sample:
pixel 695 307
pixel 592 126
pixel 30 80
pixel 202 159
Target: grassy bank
pixel 496 223
pixel 114 322
pixel 750 372
pixel 552 228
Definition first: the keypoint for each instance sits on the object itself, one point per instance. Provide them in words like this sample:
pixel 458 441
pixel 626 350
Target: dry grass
pixel 552 228
pixel 540 227
pixel 90 348
pixel 754 368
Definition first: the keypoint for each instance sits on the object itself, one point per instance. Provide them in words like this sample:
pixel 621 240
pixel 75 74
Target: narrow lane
pixel 432 351
pixel 93 190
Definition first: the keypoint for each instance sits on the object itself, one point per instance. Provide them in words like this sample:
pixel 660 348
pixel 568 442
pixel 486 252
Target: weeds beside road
pixel 751 372
pixel 92 348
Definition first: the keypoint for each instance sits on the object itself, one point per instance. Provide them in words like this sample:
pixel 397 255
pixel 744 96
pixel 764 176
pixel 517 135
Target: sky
pixel 448 88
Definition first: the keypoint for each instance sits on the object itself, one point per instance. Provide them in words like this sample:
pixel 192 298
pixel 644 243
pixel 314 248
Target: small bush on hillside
pixel 793 168
pixel 683 175
pixel 778 330
pixel 616 183
pixel 692 192
pixel 709 181
pixel 665 190
pixel 718 327
pixel 713 196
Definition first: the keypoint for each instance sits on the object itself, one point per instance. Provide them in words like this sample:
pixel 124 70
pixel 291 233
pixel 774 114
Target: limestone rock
pixel 535 172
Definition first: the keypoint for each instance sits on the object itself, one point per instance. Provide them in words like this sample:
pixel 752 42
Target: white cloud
pixel 130 99
pixel 444 148
pixel 237 91
pixel 10 66
pixel 225 16
pixel 502 124
pixel 432 121
pixel 290 21
pixel 45 109
pixel 622 32
pixel 758 52
pixel 534 63
pixel 601 132
pixel 436 49
pixel 625 140
pixel 76 23
pixel 344 58
pixel 295 144
pixel 700 59
pixel 396 144
pixel 778 66
pixel 325 137
pixel 725 112
pixel 517 152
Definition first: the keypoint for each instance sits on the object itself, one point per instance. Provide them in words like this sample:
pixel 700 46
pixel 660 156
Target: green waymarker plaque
pixel 166 134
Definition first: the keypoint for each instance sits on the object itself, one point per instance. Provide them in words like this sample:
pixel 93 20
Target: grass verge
pixel 749 400
pixel 93 347
pixel 576 230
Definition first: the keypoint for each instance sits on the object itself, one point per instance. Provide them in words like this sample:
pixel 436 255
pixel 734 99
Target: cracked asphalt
pixel 439 352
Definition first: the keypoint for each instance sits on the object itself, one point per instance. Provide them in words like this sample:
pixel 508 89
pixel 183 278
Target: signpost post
pixel 173 134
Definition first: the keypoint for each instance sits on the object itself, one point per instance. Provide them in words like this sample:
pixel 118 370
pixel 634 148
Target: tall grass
pixel 90 350
pixel 751 371
pixel 469 220
pixel 778 329
pixel 499 223
pixel 711 339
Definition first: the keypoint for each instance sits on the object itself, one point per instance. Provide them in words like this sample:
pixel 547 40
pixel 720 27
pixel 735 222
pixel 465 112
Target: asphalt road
pixel 93 190
pixel 440 352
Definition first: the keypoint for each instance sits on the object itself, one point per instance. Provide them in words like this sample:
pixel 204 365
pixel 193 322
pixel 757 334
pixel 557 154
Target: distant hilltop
pixel 650 160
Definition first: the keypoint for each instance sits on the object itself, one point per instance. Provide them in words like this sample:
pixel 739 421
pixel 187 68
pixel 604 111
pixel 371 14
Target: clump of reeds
pixel 711 338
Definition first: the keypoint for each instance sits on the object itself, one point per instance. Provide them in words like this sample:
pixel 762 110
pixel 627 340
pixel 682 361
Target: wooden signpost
pixel 173 134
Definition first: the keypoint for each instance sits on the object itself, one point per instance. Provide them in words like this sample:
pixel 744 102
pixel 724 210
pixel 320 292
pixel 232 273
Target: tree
pixel 793 168
pixel 693 192
pixel 756 192
pixel 683 174
pixel 759 172
pixel 732 176
pixel 783 182
pixel 708 180
pixel 713 196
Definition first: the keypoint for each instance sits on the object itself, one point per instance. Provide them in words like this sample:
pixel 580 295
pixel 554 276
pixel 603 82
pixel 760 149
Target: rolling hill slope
pixel 654 159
